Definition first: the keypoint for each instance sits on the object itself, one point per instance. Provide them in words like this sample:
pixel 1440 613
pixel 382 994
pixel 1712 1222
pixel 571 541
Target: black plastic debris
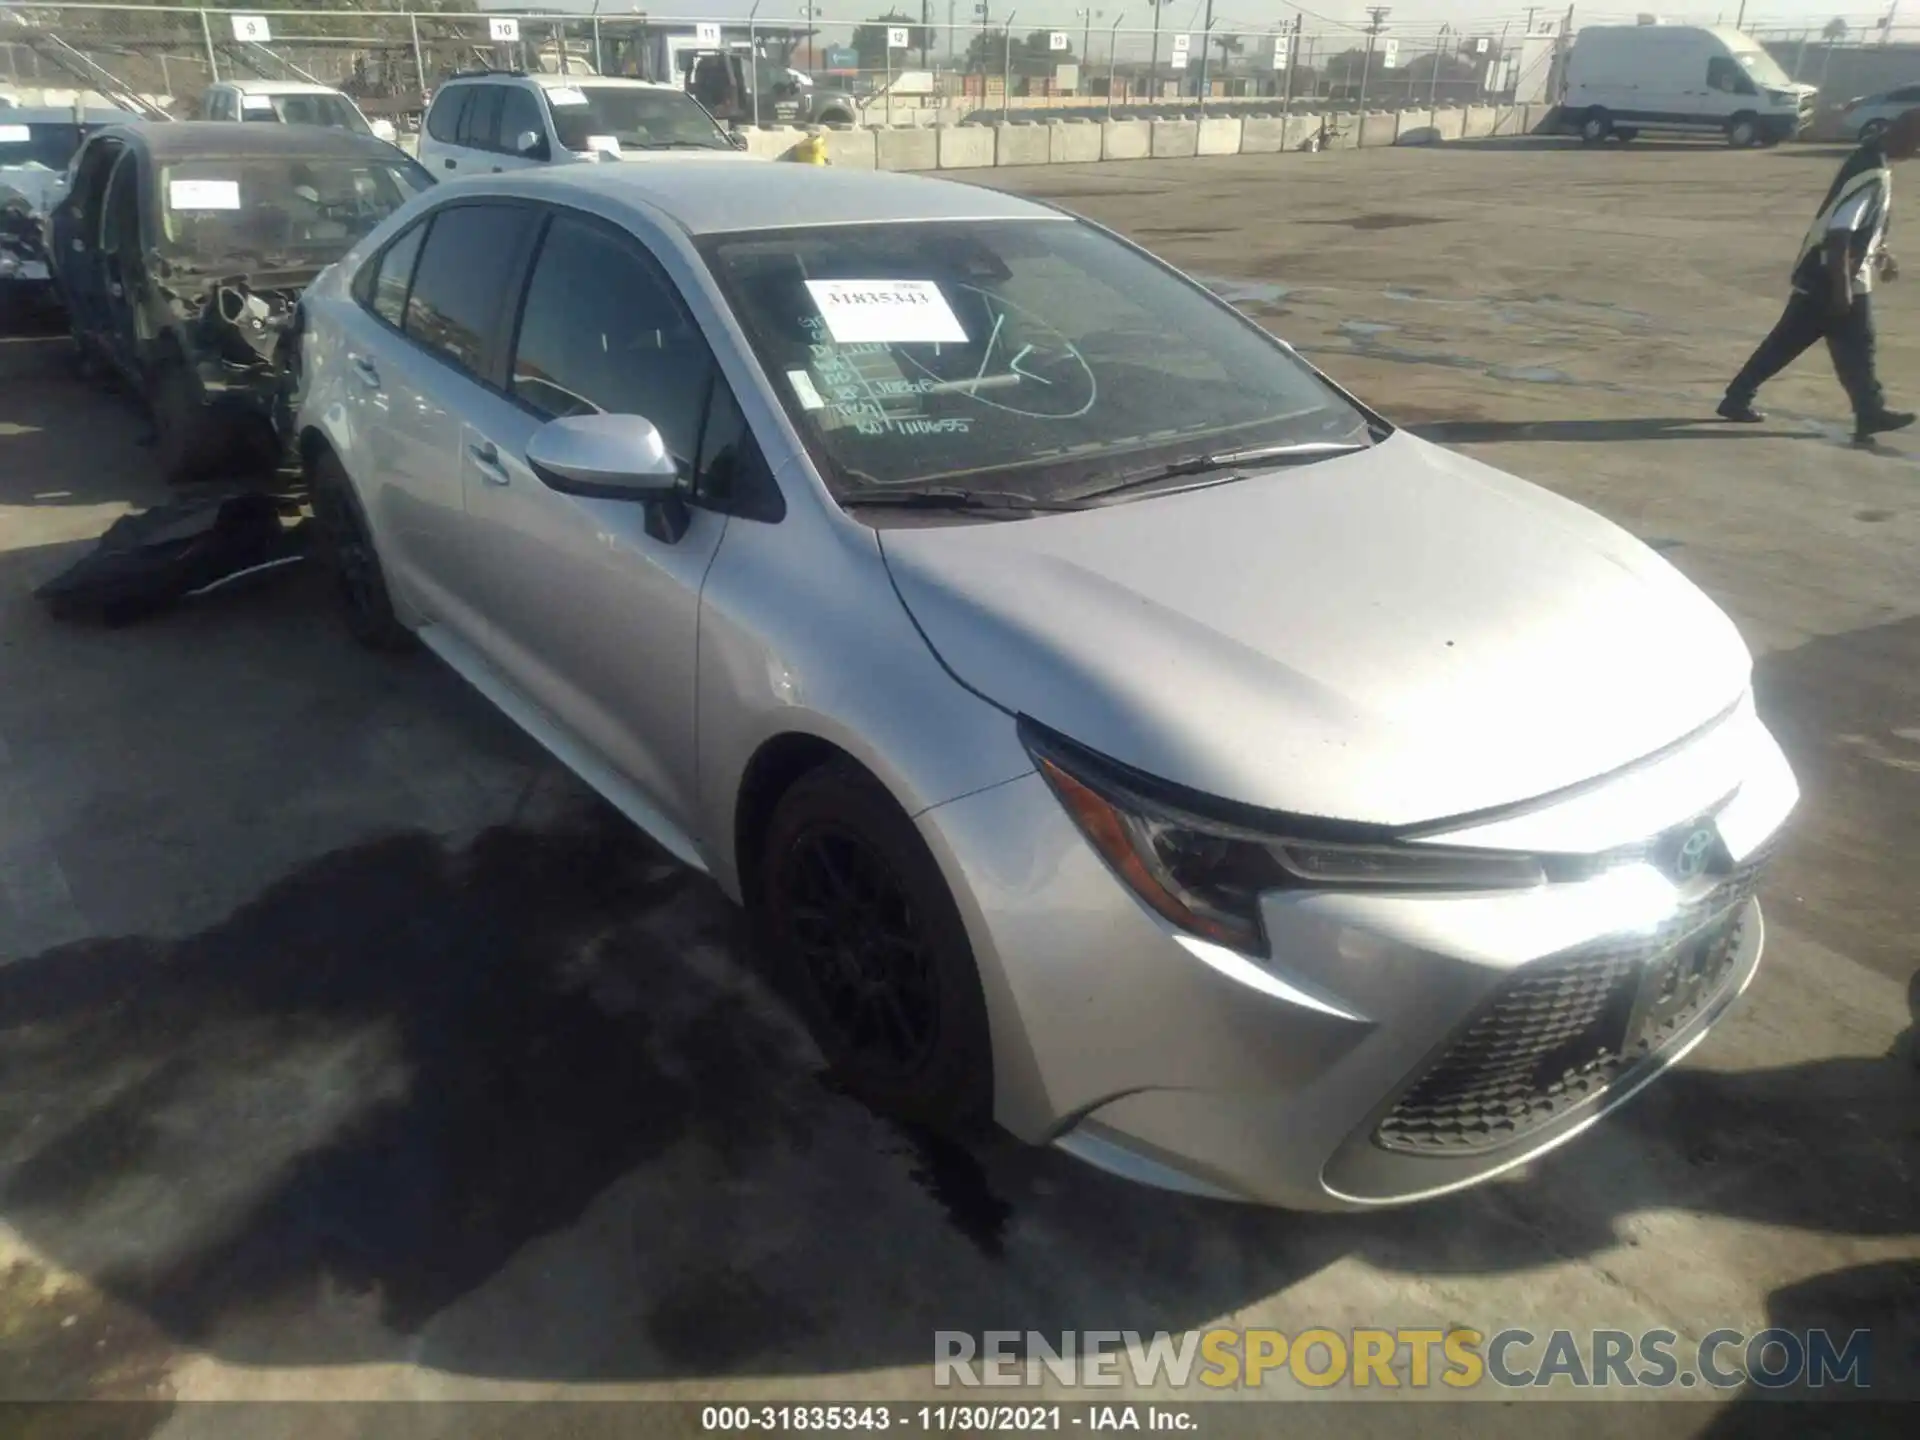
pixel 149 562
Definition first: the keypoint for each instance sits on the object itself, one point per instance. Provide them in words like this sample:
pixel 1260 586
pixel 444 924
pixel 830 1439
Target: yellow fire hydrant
pixel 810 151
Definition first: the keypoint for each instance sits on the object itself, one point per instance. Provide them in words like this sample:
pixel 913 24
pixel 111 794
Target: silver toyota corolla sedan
pixel 1120 731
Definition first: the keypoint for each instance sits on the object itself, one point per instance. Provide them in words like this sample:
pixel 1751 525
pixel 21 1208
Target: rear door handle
pixel 486 459
pixel 366 370
pixel 448 163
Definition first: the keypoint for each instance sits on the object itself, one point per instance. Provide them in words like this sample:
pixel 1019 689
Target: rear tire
pixel 1743 131
pixel 1595 126
pixel 1872 131
pixel 1625 133
pixel 346 550
pixel 853 905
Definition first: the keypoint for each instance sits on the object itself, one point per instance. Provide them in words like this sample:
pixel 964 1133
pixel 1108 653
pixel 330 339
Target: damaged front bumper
pixel 240 339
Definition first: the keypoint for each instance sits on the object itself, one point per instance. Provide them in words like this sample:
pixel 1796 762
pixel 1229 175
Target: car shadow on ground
pixel 530 1107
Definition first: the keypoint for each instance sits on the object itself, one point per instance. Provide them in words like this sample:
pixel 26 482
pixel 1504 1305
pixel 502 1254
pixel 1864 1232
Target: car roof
pixel 62 115
pixel 279 87
pixel 555 81
pixel 184 139
pixel 707 197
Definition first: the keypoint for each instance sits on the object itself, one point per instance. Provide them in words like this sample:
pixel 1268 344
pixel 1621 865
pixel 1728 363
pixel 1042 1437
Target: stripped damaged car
pixel 36 147
pixel 181 251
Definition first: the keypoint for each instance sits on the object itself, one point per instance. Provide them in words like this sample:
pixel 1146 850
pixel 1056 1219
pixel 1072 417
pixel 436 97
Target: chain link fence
pixel 888 68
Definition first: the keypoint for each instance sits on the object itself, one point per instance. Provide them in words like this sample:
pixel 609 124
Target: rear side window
pixel 465 270
pixel 443 121
pixel 480 125
pixel 384 289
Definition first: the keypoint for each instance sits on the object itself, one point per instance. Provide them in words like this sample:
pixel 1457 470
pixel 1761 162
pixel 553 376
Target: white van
pixel 290 102
pixel 1622 79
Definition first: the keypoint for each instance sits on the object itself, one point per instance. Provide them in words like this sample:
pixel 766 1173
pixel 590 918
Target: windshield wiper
pixel 1300 452
pixel 678 145
pixel 950 497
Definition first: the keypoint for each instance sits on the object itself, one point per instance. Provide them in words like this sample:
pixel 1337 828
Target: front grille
pixel 1563 1030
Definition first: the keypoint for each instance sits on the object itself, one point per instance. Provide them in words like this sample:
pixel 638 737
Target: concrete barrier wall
pixel 906 149
pixel 1541 119
pixel 771 142
pixel 851 149
pixel 1430 127
pixel 1263 135
pixel 1509 120
pixel 1020 145
pixel 1479 122
pixel 1379 127
pixel 1174 139
pixel 1072 142
pixel 965 147
pixel 1220 135
pixel 1125 139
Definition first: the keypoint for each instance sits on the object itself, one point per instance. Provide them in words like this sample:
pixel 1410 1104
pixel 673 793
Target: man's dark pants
pixel 1849 340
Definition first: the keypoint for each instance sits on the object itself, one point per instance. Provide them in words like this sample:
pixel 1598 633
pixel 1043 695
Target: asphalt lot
pixel 349 1050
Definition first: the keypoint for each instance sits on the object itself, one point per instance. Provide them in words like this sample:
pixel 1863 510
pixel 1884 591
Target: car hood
pixel 654 157
pixel 1395 636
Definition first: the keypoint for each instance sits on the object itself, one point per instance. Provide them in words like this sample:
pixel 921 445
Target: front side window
pixel 464 271
pixel 1763 68
pixel 273 209
pixel 1041 352
pixel 120 213
pixel 634 118
pixel 601 332
pixel 1725 75
pixel 520 115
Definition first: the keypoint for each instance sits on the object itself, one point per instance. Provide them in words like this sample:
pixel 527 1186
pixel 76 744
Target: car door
pixel 594 604
pixel 472 151
pixel 423 330
pixel 121 269
pixel 74 240
pixel 441 127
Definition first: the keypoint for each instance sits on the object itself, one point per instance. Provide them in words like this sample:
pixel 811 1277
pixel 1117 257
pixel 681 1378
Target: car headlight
pixel 1781 97
pixel 1206 874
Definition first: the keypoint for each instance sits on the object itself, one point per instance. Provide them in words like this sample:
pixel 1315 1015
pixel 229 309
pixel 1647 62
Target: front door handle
pixel 448 164
pixel 366 370
pixel 486 459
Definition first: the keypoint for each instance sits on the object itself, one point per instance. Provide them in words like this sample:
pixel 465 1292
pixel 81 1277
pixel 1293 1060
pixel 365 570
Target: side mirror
pixel 527 143
pixel 606 457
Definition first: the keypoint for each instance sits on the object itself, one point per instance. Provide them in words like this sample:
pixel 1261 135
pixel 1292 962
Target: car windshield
pixel 332 111
pixel 1042 352
pixel 304 210
pixel 1762 66
pixel 49 145
pixel 634 118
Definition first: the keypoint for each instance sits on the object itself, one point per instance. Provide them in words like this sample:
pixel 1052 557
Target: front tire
pixel 1625 133
pixel 853 904
pixel 1872 131
pixel 1743 131
pixel 346 551
pixel 1595 126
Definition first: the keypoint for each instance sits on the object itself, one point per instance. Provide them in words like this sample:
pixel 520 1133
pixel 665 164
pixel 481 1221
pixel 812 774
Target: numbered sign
pixel 503 32
pixel 706 32
pixel 1282 51
pixel 1389 54
pixel 1181 44
pixel 1178 60
pixel 1057 40
pixel 252 29
pixel 897 38
pixel 1480 46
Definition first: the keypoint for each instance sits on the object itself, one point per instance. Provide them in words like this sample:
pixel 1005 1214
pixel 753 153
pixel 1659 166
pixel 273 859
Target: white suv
pixel 490 121
pixel 290 102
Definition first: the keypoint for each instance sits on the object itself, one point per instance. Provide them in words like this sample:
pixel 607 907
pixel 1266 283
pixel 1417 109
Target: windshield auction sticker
pixel 203 195
pixel 566 97
pixel 886 312
pixel 15 134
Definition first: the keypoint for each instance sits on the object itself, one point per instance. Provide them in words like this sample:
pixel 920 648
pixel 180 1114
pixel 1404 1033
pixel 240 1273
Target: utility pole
pixel 1206 47
pixel 1376 23
pixel 1740 20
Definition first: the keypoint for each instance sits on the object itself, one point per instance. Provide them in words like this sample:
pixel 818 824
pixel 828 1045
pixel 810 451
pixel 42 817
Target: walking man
pixel 1840 260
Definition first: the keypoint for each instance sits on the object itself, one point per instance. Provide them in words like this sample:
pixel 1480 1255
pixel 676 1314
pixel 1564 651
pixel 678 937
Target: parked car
pixel 1868 116
pixel 36 146
pixel 290 102
pixel 1622 79
pixel 487 121
pixel 1117 728
pixel 181 250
